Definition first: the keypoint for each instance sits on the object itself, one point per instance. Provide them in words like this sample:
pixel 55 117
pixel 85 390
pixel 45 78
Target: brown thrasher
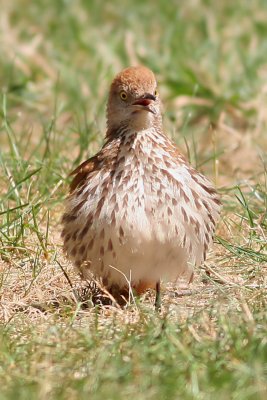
pixel 137 211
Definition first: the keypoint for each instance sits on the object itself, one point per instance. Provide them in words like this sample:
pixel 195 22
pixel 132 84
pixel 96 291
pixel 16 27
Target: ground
pixel 57 61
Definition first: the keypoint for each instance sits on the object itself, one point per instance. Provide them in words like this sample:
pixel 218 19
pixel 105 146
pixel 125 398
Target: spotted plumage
pixel 137 211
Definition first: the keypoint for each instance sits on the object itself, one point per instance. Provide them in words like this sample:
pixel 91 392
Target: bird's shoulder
pixel 103 160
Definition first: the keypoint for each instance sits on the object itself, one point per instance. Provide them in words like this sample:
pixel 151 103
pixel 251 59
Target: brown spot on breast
pixel 104 192
pixel 118 176
pixel 167 163
pixel 101 251
pixel 90 245
pixel 85 195
pixel 197 227
pixel 112 173
pixel 102 234
pixel 211 219
pixel 167 197
pixel 125 201
pixel 121 231
pixel 192 220
pixel 207 237
pixel 84 232
pixel 207 226
pixel 74 235
pixel 197 204
pixel 123 139
pixel 171 178
pixel 184 195
pixel 207 189
pixel 110 245
pixel 113 198
pixel 90 219
pixel 68 218
pixel 160 203
pixel 184 214
pixel 78 207
pixel 154 169
pixel 194 176
pixel 196 199
pixel 79 192
pixel 205 204
pixel 113 218
pixel 126 179
pixel 99 207
pixel 92 191
pixel 73 252
pixel 67 238
pixel 131 188
pixel 169 211
pixel 82 249
pixel 216 200
pixel 105 183
pixel 174 202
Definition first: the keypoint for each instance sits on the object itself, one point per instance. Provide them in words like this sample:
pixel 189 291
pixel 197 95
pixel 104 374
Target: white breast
pixel 152 219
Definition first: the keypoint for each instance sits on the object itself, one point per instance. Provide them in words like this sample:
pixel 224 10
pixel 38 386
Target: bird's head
pixel 134 100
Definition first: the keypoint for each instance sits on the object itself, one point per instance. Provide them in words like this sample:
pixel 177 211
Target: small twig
pixel 76 295
pixel 220 277
pixel 128 282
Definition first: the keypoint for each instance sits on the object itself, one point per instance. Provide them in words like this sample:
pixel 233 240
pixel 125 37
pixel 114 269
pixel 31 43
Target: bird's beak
pixel 144 102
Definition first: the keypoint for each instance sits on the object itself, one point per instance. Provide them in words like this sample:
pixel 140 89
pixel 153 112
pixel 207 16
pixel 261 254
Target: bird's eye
pixel 156 93
pixel 123 95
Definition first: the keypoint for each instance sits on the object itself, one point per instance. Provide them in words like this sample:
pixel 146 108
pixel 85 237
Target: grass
pixel 57 61
pixel 147 357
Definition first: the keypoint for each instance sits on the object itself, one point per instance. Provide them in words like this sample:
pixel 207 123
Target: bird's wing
pixel 82 171
pixel 104 158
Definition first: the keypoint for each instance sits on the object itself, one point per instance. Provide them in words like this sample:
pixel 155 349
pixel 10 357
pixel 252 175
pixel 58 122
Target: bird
pixel 137 212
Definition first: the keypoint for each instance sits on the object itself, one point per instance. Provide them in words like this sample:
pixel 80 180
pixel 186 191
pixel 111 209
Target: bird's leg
pixel 158 297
